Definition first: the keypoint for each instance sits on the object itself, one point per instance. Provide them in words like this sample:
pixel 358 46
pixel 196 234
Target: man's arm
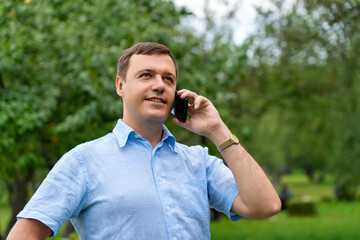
pixel 257 197
pixel 29 229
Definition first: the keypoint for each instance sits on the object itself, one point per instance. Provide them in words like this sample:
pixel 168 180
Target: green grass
pixel 335 220
pixel 301 186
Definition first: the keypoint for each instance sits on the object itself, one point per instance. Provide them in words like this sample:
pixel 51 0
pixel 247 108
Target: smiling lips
pixel 159 100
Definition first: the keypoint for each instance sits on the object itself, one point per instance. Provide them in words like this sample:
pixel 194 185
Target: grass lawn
pixel 335 220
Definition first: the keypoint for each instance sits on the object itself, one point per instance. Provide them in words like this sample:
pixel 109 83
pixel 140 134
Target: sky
pixel 245 18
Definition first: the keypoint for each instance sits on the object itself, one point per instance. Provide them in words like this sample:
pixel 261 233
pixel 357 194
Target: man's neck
pixel 151 131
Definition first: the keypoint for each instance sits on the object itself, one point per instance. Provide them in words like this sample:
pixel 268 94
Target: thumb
pixel 181 124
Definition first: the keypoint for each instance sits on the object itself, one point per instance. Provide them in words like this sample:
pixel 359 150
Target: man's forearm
pixel 258 196
pixel 29 229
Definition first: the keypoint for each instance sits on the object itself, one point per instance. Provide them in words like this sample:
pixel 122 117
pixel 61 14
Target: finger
pixel 184 93
pixel 191 110
pixel 176 121
pixel 181 124
pixel 199 101
pixel 181 93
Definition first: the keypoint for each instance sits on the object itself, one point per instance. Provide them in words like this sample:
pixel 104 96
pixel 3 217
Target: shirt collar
pixel 168 137
pixel 123 132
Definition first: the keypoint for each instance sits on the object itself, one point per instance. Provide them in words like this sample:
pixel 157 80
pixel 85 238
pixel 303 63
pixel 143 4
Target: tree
pixel 57 73
pixel 312 49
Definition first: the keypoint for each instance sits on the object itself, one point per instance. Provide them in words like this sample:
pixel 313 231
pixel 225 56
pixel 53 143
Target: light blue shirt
pixel 119 187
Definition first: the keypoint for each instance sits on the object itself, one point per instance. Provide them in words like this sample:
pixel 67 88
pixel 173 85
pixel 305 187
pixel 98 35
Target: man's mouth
pixel 159 100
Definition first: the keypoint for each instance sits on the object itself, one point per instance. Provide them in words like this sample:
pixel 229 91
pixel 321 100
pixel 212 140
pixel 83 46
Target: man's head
pixel 146 83
pixel 142 48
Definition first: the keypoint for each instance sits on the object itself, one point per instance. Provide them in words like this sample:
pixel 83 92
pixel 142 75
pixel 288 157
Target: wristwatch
pixel 232 140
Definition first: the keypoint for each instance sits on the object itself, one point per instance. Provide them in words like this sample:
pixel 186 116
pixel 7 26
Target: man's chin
pixel 160 118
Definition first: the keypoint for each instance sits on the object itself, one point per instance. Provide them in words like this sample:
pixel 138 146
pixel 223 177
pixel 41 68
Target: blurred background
pixel 285 76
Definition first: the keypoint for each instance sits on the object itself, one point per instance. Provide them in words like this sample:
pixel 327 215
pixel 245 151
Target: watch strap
pixel 232 140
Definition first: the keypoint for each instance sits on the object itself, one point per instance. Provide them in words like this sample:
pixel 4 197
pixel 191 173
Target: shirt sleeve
pixel 60 196
pixel 221 185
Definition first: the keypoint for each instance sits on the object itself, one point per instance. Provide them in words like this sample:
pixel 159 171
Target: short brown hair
pixel 142 48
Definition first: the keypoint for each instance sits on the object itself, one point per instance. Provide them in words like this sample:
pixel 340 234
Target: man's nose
pixel 158 83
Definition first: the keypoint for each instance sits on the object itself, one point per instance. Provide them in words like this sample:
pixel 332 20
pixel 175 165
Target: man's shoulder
pixel 194 149
pixel 99 144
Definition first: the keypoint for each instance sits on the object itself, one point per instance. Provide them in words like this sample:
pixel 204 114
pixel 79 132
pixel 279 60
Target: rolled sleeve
pixel 221 186
pixel 60 196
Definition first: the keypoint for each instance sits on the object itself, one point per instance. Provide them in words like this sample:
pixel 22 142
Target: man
pixel 138 182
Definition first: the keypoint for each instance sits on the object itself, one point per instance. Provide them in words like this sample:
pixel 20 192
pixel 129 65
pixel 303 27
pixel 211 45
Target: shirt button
pixel 175 239
pixel 168 208
pixel 160 179
pixel 136 136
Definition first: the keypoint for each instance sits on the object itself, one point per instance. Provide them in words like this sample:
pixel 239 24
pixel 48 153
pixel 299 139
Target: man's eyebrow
pixel 152 71
pixel 170 74
pixel 145 70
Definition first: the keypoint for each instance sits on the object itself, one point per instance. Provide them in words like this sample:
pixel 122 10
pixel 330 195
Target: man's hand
pixel 205 119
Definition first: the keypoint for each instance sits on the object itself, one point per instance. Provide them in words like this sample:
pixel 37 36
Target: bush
pixel 346 189
pixel 304 206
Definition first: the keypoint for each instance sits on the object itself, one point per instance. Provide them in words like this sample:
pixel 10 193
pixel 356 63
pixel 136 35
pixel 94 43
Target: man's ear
pixel 119 86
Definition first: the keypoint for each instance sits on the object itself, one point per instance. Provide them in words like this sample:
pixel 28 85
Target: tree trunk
pixel 17 199
pixel 309 171
pixel 321 177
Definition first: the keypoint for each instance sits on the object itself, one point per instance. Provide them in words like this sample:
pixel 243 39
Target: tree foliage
pixel 310 52
pixel 57 73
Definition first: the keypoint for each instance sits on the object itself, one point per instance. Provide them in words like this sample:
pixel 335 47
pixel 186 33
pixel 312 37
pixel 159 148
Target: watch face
pixel 234 138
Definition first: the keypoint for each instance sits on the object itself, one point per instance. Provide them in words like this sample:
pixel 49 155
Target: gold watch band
pixel 232 140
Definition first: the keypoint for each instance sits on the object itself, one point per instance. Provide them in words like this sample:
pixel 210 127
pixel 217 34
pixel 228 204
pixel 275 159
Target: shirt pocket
pixel 195 199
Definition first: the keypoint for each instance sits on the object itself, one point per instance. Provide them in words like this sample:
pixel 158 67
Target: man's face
pixel 149 88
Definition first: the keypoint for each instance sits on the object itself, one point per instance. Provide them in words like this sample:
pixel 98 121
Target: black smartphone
pixel 180 108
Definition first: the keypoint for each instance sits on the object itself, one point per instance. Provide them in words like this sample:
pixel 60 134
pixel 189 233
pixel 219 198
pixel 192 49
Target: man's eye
pixel 169 79
pixel 145 75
